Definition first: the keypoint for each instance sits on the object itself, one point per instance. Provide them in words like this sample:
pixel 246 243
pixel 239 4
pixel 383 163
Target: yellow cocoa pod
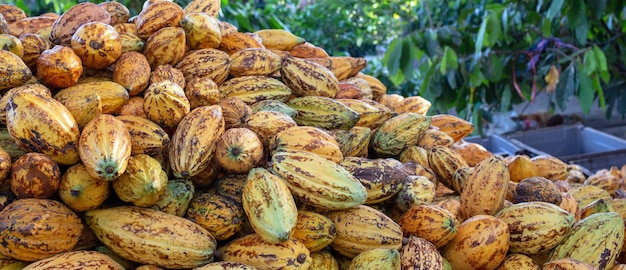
pixel 165 103
pixel 132 71
pixel 97 44
pixel 13 71
pixel 81 192
pixel 75 260
pixel 485 190
pixel 193 143
pixel 59 67
pixel 166 46
pixel 210 7
pixel 220 215
pixel 363 228
pixel 157 16
pixel 104 147
pixel 201 30
pixel 482 241
pixel 236 41
pixel 112 95
pixel 118 12
pixel 33 45
pixel 66 25
pixel 211 63
pixel 41 124
pixel 142 183
pixel 254 61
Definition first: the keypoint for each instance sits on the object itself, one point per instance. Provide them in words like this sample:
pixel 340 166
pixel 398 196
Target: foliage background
pixel 471 56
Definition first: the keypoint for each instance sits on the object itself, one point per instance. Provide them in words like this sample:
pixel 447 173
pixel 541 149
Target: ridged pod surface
pixel 370 115
pixel 34 229
pixel 518 261
pixel 142 183
pixel 418 253
pixel 104 147
pixel 210 7
pixel 314 230
pixel 201 30
pixel 210 63
pixel 177 196
pixel 323 112
pixel 254 251
pixel 97 44
pixel 146 137
pixel 568 263
pixel 65 26
pixel 378 258
pixel 381 180
pixel 398 132
pixel 112 95
pixel 431 222
pixel 254 61
pixel 354 142
pixel 13 71
pixel 165 47
pixel 41 124
pixel 307 78
pixel 225 266
pixel 266 124
pixel 323 259
pixel 165 103
pixel 76 260
pixel 445 162
pixel 34 45
pixel 481 242
pixel 269 206
pixel 318 181
pixel 193 143
pixel 252 89
pixel 485 190
pixel 279 39
pixel 132 71
pixel 535 227
pixel 157 16
pixel 220 215
pixel 152 237
pixel 305 138
pixel 596 240
pixel 363 228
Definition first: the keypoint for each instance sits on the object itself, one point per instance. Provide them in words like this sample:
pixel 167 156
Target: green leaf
pixel 428 77
pixel 565 87
pixel 597 8
pixel 546 27
pixel 602 66
pixel 590 64
pixel 555 8
pixel 494 29
pixel 392 56
pixel 450 60
pixel 595 80
pixel 480 38
pixel 477 78
pixel 397 78
pixel 505 101
pixel 243 21
pixel 581 33
pixel 576 14
pixel 408 57
pixel 585 93
pixel 494 68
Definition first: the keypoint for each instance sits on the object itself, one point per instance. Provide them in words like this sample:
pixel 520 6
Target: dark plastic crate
pixel 576 144
pixel 495 144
